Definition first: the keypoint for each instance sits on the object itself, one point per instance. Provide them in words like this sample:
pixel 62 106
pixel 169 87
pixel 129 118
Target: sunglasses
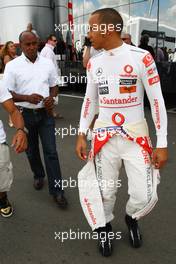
pixel 55 40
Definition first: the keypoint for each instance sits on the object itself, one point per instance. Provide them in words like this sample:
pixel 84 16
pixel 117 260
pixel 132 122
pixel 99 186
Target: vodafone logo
pixel 148 57
pixel 148 60
pixel 128 69
pixel 118 119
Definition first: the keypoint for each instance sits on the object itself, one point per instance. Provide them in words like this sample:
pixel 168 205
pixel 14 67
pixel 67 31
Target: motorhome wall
pixel 16 14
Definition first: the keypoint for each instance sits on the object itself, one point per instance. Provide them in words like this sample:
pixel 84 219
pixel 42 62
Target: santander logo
pixel 89 209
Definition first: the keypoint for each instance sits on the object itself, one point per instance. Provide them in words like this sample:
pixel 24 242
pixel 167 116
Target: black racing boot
pixel 134 232
pixel 105 243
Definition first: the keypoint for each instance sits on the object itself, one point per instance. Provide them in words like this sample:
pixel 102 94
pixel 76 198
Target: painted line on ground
pixel 71 96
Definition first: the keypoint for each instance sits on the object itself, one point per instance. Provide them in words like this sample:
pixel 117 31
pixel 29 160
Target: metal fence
pixel 167 73
pixel 74 72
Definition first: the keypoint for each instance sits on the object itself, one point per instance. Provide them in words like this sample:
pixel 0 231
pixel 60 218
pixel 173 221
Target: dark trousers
pixel 40 124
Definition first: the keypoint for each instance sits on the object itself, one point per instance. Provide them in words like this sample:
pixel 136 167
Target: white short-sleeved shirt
pixel 24 77
pixel 4 96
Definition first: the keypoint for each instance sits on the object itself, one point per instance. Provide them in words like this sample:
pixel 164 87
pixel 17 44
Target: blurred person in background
pixel 170 55
pixel 7 54
pixel 126 37
pixel 144 45
pixel 174 56
pixel 88 51
pixel 48 52
pixel 159 55
pixel 165 52
pixel 31 29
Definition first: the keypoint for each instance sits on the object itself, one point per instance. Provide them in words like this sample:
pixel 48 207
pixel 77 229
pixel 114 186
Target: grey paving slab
pixel 29 235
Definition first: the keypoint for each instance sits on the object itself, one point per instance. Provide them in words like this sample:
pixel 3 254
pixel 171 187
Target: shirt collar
pixel 112 52
pixel 26 59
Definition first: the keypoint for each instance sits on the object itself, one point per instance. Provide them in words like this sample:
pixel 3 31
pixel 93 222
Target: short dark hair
pixel 23 33
pixel 109 16
pixel 50 37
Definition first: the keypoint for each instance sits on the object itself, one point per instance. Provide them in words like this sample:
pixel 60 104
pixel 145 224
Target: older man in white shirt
pixel 174 56
pixel 48 52
pixel 32 80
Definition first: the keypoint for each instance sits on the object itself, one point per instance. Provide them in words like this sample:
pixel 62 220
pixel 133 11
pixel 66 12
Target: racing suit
pixel 116 80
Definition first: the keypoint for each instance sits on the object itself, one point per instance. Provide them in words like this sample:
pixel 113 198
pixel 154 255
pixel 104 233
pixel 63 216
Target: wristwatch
pixel 25 130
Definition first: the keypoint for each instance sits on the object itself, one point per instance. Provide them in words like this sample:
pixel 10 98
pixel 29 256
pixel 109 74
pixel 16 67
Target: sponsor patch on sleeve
pixel 154 80
pixel 151 71
pixel 87 108
pixel 148 60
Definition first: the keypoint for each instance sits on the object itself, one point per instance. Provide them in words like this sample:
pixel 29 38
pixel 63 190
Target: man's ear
pixel 109 33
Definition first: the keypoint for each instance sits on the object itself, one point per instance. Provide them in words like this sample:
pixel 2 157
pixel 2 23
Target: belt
pixel 37 110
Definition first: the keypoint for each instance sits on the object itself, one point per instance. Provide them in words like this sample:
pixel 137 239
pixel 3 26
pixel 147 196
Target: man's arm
pixel 32 98
pixel 49 101
pixel 53 80
pixel 54 91
pixel 19 141
pixel 87 114
pixel 152 86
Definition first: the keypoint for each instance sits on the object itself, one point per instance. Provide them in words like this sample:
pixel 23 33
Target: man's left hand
pixel 159 157
pixel 49 103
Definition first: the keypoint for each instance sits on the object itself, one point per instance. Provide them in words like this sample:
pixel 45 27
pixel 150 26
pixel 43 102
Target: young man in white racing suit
pixel 117 78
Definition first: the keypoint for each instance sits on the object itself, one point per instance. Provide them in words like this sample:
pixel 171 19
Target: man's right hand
pixel 34 98
pixel 19 141
pixel 81 147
